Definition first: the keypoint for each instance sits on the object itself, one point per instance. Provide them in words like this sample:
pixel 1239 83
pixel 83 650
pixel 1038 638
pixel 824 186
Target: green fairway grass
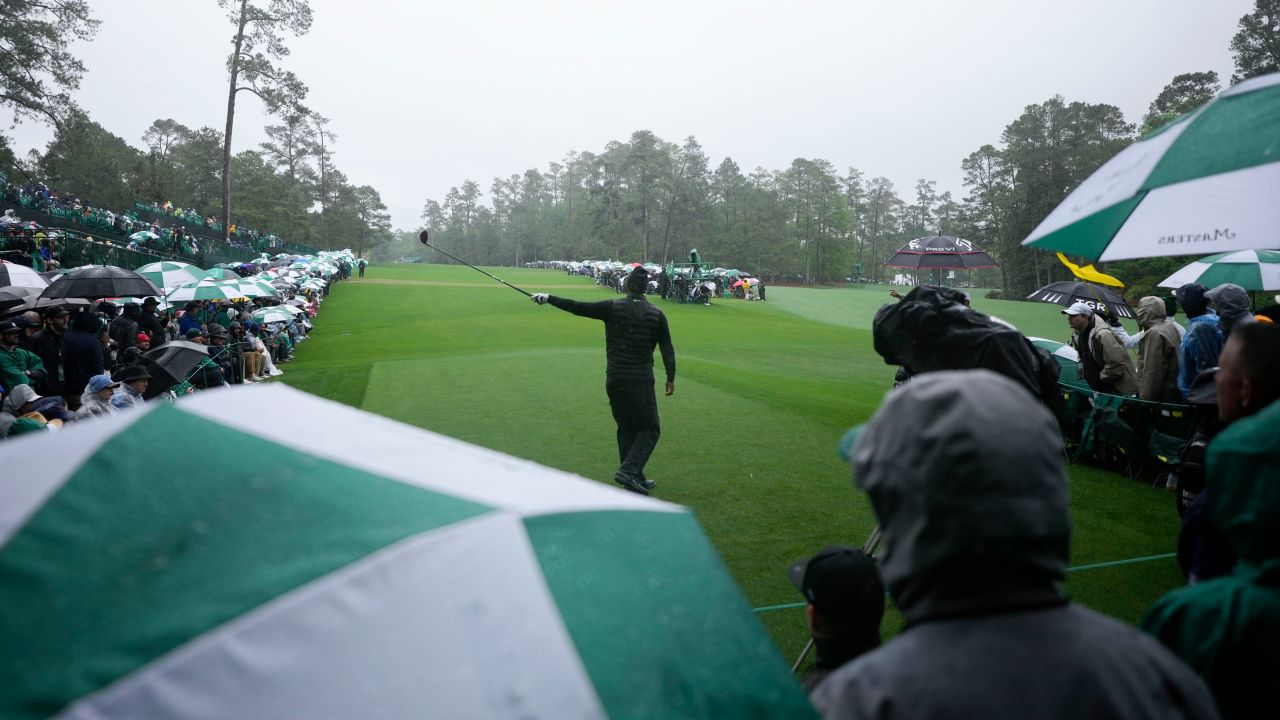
pixel 763 393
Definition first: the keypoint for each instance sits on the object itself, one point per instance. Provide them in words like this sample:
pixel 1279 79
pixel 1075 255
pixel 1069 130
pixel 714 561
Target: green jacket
pixel 14 365
pixel 1228 629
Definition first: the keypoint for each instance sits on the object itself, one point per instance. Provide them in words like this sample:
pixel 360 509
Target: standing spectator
pixel 96 400
pixel 48 345
pixel 1228 627
pixel 133 383
pixel 1159 354
pixel 845 606
pixel 190 319
pixel 1104 362
pixel 1232 304
pixel 150 323
pixel 17 366
pixel 82 356
pixel 633 327
pixel 31 324
pixel 124 327
pixel 977 533
pixel 1203 341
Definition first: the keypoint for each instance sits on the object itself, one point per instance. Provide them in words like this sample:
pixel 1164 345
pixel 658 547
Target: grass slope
pixel 763 393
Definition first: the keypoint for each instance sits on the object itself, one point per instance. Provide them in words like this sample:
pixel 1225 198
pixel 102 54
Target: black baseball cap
pixel 841 582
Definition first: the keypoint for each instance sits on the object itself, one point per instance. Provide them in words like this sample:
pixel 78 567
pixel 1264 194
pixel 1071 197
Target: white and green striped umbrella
pixel 261 568
pixel 272 314
pixel 171 275
pixel 207 289
pixel 1066 356
pixel 220 273
pixel 250 289
pixel 1250 269
pixel 1205 183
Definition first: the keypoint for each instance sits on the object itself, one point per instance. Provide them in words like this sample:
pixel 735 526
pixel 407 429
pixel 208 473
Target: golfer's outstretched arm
pixel 598 310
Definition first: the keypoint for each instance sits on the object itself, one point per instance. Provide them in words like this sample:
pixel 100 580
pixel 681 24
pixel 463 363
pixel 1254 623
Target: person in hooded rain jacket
pixel 1228 628
pixel 1159 354
pixel 1232 303
pixel 1203 340
pixel 965 473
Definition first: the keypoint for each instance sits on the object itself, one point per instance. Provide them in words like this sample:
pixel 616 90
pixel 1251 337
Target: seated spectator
pixel 846 605
pixel 1228 627
pixel 96 400
pixel 17 366
pixel 965 473
pixel 24 400
pixel 207 374
pixel 223 353
pixel 133 383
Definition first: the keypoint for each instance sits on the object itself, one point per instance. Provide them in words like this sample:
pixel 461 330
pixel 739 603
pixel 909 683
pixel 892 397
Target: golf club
pixel 423 238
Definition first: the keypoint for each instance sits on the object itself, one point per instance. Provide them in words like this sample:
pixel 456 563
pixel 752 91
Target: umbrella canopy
pixel 14 275
pixel 1207 182
pixel 1066 356
pixel 1250 269
pixel 163 304
pixel 1099 298
pixel 941 252
pixel 273 314
pixel 171 363
pixel 170 275
pixel 220 273
pixel 207 289
pixel 21 298
pixel 260 568
pixel 143 236
pixel 100 281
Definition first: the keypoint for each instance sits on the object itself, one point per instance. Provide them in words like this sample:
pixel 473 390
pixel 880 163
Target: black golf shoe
pixel 646 483
pixel 630 483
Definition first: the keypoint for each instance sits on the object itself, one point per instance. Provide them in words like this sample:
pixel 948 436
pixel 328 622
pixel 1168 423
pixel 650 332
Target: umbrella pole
pixel 869 547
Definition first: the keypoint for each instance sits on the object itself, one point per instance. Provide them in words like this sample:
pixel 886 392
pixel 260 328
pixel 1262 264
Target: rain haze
pixel 425 96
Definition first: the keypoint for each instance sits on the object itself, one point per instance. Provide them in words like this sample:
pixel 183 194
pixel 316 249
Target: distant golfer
pixel 632 328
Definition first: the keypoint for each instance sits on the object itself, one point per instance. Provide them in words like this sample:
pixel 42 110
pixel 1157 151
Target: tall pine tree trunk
pixel 231 119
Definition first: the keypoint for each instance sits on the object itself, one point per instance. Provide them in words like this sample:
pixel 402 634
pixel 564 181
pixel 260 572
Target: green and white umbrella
pixel 262 568
pixel 1250 269
pixel 272 314
pixel 1205 183
pixel 170 275
pixel 220 273
pixel 207 289
pixel 1066 356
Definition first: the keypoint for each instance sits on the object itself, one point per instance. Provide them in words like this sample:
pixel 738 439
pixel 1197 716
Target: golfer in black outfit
pixel 632 328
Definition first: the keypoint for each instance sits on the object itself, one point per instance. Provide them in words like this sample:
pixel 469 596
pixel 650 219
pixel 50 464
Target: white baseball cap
pixel 1078 308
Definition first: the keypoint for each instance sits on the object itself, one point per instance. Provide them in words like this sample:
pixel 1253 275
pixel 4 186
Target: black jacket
pixel 632 328
pixel 48 345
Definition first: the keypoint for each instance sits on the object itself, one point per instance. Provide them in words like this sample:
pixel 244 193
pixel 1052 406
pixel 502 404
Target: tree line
pixel 289 185
pixel 649 199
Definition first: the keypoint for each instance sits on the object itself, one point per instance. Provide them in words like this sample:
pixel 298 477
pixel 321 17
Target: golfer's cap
pixel 9 326
pixel 150 301
pixel 56 312
pixel 839 578
pixel 195 333
pixel 1078 308
pixel 24 322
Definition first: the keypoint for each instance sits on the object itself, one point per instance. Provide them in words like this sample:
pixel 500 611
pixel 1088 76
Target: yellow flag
pixel 1089 273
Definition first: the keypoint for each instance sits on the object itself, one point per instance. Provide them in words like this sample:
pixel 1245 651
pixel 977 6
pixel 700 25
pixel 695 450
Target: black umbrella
pixel 17 297
pixel 941 252
pixel 171 363
pixel 1097 297
pixel 105 281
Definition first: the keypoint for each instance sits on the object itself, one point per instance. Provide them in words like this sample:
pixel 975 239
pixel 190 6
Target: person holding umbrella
pixel 633 327
pixel 133 383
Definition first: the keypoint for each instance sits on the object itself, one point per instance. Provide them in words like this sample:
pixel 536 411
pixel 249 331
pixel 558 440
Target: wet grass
pixel 763 393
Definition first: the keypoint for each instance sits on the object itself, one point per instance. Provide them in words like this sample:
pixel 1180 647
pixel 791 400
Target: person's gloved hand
pixel 1112 319
pixel 540 298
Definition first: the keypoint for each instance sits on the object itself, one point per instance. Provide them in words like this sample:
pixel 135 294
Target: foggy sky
pixel 424 95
